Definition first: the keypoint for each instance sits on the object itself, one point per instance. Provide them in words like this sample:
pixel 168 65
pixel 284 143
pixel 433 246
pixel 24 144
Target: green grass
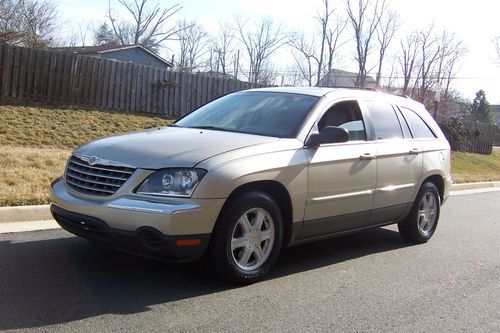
pixel 467 167
pixel 41 126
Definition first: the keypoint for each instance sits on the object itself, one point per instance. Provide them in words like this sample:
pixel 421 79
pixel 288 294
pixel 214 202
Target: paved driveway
pixel 51 281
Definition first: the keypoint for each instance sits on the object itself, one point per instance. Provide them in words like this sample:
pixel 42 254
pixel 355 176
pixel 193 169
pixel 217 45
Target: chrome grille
pixel 95 179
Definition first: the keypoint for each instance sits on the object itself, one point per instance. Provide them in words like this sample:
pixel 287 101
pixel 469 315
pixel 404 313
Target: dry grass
pixel 466 167
pixel 42 126
pixel 36 140
pixel 26 173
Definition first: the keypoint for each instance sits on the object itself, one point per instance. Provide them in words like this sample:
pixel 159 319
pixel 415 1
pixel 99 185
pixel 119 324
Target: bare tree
pixel 146 24
pixel 365 18
pixel 452 51
pixel 323 19
pixel 81 35
pixel 429 62
pixel 408 59
pixel 314 56
pixel 306 60
pixel 430 50
pixel 30 23
pixel 291 77
pixel 10 24
pixel 222 49
pixel 393 75
pixel 385 33
pixel 260 43
pixel 333 40
pixel 39 22
pixel 193 40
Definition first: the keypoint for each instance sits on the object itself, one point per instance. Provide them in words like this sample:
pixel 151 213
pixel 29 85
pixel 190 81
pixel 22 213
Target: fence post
pixel 7 65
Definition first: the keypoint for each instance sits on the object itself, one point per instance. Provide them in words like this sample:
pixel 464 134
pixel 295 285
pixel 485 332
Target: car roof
pixel 341 92
pixel 313 91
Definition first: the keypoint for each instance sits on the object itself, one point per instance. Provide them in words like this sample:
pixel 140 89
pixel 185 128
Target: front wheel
pixel 247 239
pixel 422 221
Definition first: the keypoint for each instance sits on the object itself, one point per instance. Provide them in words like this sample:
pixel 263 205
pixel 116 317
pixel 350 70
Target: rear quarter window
pixel 418 127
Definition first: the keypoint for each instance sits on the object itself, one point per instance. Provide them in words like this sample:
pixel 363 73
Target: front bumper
pixel 139 224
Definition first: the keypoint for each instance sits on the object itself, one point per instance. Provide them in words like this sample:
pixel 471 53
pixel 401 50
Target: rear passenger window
pixel 385 121
pixel 418 127
pixel 346 115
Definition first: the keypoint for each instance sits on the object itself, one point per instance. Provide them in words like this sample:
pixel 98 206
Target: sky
pixel 476 23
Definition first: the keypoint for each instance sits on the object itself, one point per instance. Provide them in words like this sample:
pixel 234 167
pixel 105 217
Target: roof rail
pixel 349 87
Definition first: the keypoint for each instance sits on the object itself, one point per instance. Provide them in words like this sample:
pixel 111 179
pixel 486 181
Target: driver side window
pixel 346 115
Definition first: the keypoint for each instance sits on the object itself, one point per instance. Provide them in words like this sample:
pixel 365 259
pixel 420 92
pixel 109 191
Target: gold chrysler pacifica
pixel 256 171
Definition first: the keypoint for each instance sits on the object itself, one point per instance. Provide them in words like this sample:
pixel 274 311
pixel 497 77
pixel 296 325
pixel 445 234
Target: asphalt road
pixel 53 282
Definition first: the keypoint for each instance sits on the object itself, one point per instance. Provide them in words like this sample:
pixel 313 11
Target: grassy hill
pixel 466 167
pixel 35 142
pixel 39 126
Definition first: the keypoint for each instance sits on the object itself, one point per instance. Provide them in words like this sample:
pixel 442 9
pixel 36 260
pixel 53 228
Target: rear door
pixel 399 162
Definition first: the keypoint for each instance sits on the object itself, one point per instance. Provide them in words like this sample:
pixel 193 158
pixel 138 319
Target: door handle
pixel 367 156
pixel 415 151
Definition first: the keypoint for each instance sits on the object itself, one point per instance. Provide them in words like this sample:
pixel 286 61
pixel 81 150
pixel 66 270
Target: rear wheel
pixel 247 240
pixel 422 221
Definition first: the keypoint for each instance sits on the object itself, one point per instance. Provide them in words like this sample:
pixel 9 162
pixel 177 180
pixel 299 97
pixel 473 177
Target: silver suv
pixel 254 172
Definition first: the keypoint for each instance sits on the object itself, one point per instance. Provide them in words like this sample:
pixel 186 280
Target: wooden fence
pixel 467 135
pixel 58 77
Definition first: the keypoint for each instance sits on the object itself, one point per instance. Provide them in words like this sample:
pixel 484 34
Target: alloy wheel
pixel 252 239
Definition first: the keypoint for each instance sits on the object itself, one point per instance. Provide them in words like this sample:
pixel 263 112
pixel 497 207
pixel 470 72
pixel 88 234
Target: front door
pixel 341 176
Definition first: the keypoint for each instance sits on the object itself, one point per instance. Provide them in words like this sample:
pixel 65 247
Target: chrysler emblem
pixel 92 160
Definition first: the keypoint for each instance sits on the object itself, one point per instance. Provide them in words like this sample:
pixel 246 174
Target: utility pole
pixel 236 65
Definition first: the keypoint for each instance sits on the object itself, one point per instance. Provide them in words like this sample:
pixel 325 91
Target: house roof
pixel 495 109
pixel 338 77
pixel 108 49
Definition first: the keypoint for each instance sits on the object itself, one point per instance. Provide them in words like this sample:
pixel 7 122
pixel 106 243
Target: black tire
pixel 228 263
pixel 423 218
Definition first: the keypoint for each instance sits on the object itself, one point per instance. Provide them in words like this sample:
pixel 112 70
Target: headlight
pixel 172 182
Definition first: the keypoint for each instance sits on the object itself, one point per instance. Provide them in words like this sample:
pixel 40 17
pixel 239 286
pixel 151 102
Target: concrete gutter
pixel 42 212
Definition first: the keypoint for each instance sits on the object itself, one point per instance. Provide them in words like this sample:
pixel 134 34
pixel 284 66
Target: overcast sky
pixel 475 22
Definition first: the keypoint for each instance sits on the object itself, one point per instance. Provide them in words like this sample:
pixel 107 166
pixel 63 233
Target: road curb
pixel 42 212
pixel 24 213
pixel 473 186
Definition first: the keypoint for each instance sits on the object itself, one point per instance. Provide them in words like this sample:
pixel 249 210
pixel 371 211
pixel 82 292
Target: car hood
pixel 168 146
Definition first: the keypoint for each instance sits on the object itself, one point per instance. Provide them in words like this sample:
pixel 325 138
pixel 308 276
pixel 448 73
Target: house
pixel 340 78
pixel 136 54
pixel 495 110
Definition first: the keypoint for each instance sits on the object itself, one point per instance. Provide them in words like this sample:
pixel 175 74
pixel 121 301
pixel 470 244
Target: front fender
pixel 286 167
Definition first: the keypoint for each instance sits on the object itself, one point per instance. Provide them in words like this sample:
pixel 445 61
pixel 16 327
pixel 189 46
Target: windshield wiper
pixel 215 128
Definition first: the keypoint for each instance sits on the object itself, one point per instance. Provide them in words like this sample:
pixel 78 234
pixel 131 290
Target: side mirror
pixel 329 134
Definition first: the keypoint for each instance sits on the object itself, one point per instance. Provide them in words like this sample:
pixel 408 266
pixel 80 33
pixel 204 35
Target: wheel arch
pixel 277 191
pixel 439 182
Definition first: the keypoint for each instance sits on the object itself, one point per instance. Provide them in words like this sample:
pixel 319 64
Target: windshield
pixel 262 113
